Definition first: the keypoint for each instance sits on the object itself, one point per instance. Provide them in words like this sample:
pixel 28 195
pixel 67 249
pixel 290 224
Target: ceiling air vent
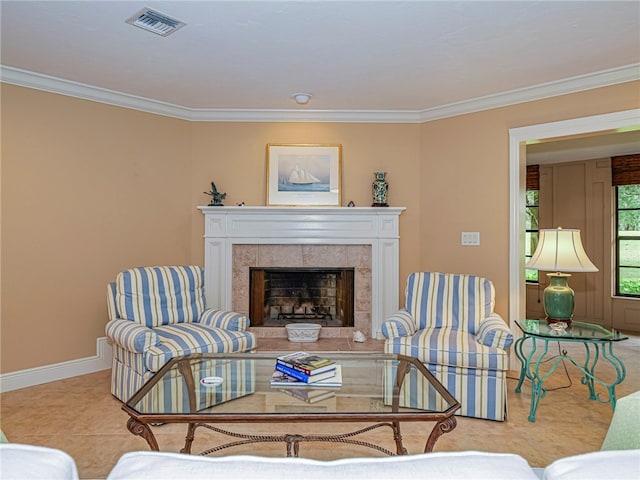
pixel 155 22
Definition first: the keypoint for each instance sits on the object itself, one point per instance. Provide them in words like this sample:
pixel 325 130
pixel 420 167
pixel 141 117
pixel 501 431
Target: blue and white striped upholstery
pixel 448 346
pixel 189 338
pixel 133 337
pixel 223 319
pixel 463 384
pixel 171 394
pixel 400 324
pixel 154 296
pixel 445 300
pixel 157 313
pixel 493 332
pixel 450 326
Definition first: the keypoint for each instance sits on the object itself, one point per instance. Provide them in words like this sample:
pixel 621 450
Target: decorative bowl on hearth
pixel 303 332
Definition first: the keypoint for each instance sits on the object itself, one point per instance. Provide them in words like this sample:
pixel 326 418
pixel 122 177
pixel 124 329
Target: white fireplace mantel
pixel 378 227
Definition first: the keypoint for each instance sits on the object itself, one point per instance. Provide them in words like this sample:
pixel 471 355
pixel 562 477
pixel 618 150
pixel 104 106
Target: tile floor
pixel 80 416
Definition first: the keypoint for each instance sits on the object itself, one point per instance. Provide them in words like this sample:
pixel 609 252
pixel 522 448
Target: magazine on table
pixel 282 379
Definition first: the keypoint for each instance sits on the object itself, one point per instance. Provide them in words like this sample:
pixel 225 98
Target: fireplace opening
pixel 279 296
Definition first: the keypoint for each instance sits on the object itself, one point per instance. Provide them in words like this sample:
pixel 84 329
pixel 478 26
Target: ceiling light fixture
pixel 302 98
pixel 155 22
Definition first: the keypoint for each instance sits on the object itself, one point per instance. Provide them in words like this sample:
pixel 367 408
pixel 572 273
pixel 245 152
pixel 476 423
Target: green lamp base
pixel 558 299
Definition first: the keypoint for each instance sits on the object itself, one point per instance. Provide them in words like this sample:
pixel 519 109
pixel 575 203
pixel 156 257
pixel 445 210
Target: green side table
pixel 597 340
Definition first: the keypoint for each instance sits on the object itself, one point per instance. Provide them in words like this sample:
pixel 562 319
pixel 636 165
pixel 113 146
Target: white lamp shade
pixel 560 250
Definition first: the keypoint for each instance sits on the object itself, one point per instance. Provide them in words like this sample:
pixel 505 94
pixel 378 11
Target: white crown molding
pixel 286 115
pixel 603 78
pixel 59 371
pixel 47 83
pixel 588 81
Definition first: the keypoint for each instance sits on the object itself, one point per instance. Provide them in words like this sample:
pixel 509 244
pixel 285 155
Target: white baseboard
pixel 58 371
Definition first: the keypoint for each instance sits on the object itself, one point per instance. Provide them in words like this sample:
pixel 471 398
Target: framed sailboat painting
pixel 304 174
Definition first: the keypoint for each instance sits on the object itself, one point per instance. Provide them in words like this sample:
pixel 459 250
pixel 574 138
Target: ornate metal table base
pixel 378 404
pixel 537 378
pixel 142 430
pixel 293 441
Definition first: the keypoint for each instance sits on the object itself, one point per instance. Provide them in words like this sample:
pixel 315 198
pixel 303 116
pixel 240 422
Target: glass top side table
pixel 597 340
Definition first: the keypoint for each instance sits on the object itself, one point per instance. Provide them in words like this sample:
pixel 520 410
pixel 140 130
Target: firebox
pixel 279 296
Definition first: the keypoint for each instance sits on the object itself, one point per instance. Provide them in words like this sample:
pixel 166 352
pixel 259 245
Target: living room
pixel 90 188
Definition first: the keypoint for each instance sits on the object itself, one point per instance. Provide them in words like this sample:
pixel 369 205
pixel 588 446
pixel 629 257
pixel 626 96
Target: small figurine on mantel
pixel 216 197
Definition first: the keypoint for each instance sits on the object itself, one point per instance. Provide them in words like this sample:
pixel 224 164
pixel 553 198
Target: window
pixel 628 240
pixel 532 219
pixel 531 233
pixel 625 177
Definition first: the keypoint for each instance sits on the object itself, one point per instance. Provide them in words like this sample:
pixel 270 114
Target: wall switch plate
pixel 470 238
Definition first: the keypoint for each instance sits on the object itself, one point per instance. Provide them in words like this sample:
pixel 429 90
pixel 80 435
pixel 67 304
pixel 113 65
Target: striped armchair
pixel 157 313
pixel 449 324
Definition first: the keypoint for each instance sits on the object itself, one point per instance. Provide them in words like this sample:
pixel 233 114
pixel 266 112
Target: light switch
pixel 470 238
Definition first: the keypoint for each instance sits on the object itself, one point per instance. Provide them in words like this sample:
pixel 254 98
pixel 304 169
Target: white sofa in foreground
pixel 27 462
pixel 449 465
pixel 611 464
pixel 615 465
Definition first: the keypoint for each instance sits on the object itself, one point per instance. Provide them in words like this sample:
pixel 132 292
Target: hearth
pixel 280 296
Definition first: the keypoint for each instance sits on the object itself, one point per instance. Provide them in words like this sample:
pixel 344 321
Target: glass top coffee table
pixel 598 342
pixel 206 390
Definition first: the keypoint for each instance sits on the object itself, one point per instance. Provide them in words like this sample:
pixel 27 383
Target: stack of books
pixel 301 368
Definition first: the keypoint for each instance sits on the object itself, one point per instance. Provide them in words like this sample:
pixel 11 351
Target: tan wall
pixel 89 189
pixel 466 186
pixel 234 156
pixel 465 178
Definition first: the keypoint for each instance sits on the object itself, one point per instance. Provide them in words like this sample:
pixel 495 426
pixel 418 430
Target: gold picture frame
pixel 304 174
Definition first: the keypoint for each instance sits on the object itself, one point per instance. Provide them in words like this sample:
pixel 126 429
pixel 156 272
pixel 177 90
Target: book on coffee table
pixel 307 363
pixel 303 377
pixel 282 379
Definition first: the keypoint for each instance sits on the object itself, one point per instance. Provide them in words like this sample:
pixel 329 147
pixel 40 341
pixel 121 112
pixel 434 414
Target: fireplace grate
pixel 316 313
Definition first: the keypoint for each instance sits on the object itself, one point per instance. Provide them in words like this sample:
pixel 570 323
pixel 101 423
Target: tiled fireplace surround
pixel 237 238
pixel 356 256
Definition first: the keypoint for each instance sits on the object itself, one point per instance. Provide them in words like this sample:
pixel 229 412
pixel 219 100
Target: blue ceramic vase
pixel 380 189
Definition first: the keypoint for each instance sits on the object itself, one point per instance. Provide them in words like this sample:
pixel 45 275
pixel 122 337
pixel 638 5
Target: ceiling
pixel 374 56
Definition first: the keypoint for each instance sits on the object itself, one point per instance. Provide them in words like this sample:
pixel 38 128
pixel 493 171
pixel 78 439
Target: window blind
pixel 625 170
pixel 533 177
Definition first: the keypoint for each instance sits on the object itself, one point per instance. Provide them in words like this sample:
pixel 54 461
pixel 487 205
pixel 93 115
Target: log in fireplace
pixel 279 296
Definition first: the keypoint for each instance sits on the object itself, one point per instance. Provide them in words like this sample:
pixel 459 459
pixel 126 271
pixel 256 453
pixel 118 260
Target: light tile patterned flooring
pixel 79 416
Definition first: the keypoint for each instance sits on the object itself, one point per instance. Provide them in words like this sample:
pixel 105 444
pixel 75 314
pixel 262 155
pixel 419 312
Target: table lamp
pixel 560 250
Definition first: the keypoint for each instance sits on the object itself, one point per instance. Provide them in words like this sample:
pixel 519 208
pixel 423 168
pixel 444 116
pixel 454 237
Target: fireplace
pixel 279 296
pixel 363 238
pixel 295 270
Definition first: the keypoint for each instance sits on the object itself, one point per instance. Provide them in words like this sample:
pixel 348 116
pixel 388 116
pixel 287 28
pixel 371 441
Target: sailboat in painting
pixel 300 176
